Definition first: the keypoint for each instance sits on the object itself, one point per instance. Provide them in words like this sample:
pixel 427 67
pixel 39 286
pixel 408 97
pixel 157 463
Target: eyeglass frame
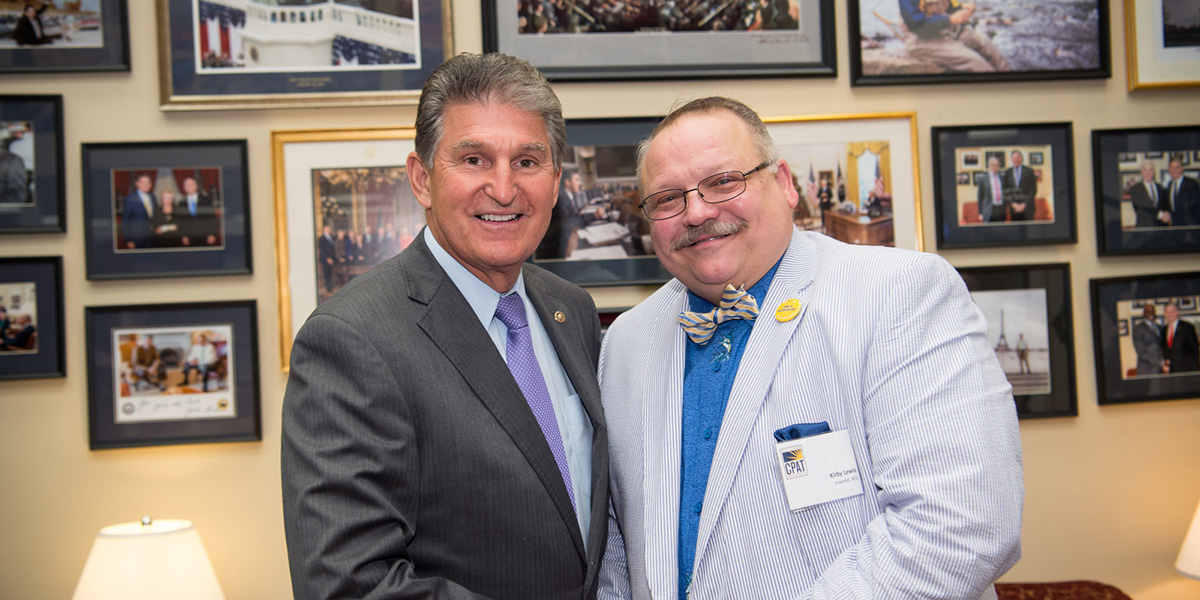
pixel 745 175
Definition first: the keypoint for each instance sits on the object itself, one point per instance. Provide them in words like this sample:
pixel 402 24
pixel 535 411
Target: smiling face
pixel 144 184
pixel 1017 159
pixel 1175 168
pixel 734 242
pixel 1147 171
pixel 491 189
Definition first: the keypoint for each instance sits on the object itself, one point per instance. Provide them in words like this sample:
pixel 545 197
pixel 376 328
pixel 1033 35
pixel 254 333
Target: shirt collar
pixel 482 298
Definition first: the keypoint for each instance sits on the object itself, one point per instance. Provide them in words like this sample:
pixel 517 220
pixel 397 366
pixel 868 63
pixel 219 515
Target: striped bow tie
pixel 736 303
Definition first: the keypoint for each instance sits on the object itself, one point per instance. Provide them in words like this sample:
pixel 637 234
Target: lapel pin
pixel 559 316
pixel 787 310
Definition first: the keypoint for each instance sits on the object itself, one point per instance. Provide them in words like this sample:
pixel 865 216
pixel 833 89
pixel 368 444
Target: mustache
pixel 706 230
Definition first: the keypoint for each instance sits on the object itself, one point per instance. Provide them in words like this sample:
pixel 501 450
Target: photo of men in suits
pixel 1180 348
pixel 197 215
pixel 1147 342
pixel 137 213
pixel 442 429
pixel 991 199
pixel 1183 196
pixel 751 347
pixel 1146 196
pixel 1020 186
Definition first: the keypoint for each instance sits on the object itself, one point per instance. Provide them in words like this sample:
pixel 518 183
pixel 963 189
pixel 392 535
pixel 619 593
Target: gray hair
pixel 479 79
pixel 763 144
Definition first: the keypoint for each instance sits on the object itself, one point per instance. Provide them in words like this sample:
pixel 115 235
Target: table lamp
pixel 1188 563
pixel 148 560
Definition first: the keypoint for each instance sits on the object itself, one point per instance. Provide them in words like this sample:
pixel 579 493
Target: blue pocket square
pixel 800 430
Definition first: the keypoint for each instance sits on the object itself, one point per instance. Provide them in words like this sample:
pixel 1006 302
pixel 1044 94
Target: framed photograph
pixel 571 42
pixel 39 36
pixel 1162 44
pixel 899 42
pixel 32 193
pixel 597 234
pixel 1009 203
pixel 343 204
pixel 1147 201
pixel 857 176
pixel 166 209
pixel 233 55
pixel 1028 312
pixel 1159 359
pixel 162 374
pixel 31 318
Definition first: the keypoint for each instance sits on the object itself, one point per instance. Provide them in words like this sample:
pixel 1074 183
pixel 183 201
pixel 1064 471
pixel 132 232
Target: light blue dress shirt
pixel 573 423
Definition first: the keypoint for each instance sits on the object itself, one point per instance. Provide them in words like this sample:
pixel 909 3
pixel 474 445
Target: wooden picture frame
pixel 1036 207
pixel 1159 54
pixel 141 364
pixel 213 56
pixel 580 44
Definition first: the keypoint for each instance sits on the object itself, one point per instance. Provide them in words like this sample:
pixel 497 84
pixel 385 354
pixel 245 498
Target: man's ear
pixel 418 179
pixel 783 175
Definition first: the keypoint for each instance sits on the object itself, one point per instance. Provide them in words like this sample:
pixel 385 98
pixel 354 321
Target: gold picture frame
pixel 834 146
pixel 350 179
pixel 1146 45
pixel 229 66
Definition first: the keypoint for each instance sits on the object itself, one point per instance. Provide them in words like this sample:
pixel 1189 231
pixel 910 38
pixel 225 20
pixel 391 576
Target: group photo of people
pixel 1004 185
pixel 16 162
pixel 363 217
pixel 167 362
pixel 1158 336
pixel 175 208
pixel 44 23
pixel 906 37
pixel 18 317
pixel 610 16
pixel 1160 189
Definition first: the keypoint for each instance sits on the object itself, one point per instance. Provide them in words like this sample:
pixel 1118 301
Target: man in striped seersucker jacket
pixel 855 439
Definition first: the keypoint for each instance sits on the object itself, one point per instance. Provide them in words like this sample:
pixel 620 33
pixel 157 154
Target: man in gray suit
pixel 991 194
pixel 442 430
pixel 792 416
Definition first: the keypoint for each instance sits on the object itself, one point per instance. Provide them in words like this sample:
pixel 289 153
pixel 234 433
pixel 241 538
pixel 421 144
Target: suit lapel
pixel 467 345
pixel 661 430
pixel 768 340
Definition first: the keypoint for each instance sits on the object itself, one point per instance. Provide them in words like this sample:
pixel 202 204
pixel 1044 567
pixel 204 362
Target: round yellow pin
pixel 559 316
pixel 787 310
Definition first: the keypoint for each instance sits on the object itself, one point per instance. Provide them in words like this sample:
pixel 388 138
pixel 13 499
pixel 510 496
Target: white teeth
pixel 497 218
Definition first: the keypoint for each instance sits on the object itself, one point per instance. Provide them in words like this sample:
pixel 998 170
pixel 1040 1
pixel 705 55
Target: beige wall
pixel 1110 492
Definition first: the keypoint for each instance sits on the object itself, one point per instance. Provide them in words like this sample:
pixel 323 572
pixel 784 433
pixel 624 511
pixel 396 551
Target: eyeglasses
pixel 713 189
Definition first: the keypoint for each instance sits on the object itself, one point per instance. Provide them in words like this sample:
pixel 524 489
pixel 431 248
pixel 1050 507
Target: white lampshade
pixel 136 561
pixel 1188 563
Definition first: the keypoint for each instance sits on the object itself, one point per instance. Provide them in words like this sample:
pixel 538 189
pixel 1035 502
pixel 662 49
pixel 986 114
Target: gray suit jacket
pixel 412 465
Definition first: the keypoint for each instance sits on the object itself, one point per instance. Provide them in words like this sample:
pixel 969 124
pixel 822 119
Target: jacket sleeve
pixel 349 465
pixel 945 448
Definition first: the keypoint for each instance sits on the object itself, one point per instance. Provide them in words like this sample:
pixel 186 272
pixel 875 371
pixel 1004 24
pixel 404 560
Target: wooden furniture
pixel 850 229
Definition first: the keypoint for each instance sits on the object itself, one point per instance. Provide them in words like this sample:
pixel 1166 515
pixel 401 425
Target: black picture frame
pixel 882 45
pixel 104 50
pixel 39 149
pixel 1038 299
pixel 158 408
pixel 1119 377
pixel 635 51
pixel 38 352
pixel 245 78
pixel 109 173
pixel 603 151
pixel 1050 219
pixel 1117 158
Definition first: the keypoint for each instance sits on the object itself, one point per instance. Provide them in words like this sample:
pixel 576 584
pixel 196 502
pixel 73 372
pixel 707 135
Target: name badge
pixel 818 469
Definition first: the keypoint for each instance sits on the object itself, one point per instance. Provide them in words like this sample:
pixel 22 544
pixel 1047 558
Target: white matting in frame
pixel 898 129
pixel 296 154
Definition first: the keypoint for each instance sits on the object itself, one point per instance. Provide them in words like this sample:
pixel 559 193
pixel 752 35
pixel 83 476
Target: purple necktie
pixel 524 366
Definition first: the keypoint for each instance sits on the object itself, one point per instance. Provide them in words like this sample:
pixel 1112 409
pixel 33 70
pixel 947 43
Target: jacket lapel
pixel 661 453
pixel 768 340
pixel 467 345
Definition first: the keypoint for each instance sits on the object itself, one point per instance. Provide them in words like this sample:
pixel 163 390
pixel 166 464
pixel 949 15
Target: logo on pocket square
pixel 793 463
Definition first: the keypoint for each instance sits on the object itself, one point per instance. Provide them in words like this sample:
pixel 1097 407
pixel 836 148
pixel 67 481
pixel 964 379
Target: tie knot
pixel 736 303
pixel 511 312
